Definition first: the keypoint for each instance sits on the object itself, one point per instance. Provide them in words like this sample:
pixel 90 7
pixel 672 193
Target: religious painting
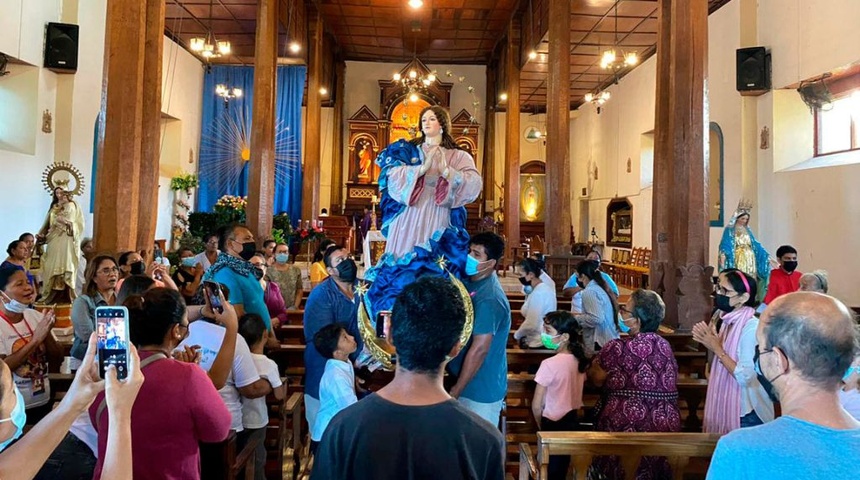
pixel 363 152
pixel 405 120
pixel 532 187
pixel 619 223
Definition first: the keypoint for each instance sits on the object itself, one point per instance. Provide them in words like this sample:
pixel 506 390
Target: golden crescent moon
pixel 382 350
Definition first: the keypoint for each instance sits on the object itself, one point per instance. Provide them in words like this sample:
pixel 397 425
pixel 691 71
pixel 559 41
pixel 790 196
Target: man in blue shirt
pixel 234 270
pixel 806 342
pixel 332 301
pixel 482 366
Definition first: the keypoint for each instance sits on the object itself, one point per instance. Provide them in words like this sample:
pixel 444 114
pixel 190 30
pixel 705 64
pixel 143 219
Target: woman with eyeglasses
pixel 99 291
pixel 638 373
pixel 734 398
pixel 271 294
pixel 177 407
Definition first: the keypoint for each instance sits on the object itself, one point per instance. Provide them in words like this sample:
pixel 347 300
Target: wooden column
pixel 488 170
pixel 558 221
pixel 116 201
pixel 311 170
pixel 337 140
pixel 261 181
pixel 679 269
pixel 512 140
pixel 150 149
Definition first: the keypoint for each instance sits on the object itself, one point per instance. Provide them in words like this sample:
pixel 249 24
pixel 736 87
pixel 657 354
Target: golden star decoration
pixel 442 263
pixel 361 289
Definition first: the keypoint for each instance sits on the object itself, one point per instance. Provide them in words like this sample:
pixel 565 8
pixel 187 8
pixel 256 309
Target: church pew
pixel 223 460
pixel 679 448
pixel 291 334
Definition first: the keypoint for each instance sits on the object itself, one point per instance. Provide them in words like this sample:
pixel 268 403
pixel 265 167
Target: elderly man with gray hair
pixel 806 342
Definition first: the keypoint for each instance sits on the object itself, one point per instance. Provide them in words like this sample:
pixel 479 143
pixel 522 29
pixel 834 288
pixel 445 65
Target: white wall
pixel 74 101
pixel 816 210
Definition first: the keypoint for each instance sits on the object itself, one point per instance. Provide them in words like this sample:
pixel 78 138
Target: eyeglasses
pixel 259 265
pixel 724 291
pixel 108 271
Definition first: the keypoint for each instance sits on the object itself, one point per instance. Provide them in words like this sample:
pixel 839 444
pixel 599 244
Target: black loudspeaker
pixel 61 47
pixel 753 69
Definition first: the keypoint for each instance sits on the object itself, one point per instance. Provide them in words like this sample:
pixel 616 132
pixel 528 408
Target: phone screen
pixel 213 290
pixel 112 337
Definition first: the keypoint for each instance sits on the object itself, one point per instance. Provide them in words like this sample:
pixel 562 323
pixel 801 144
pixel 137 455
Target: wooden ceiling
pixel 442 31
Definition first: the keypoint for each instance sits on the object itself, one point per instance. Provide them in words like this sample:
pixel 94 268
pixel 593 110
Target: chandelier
pixel 598 99
pixel 615 58
pixel 413 83
pixel 208 46
pixel 227 93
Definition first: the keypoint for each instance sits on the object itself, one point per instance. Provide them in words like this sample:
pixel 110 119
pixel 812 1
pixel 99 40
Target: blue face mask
pixel 14 306
pixel 189 262
pixel 851 371
pixel 623 326
pixel 18 418
pixel 282 257
pixel 472 265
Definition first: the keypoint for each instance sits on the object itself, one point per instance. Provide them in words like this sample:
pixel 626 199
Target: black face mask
pixel 723 303
pixel 524 281
pixel 137 268
pixel 248 250
pixel 258 273
pixel 789 266
pixel 347 270
pixel 765 383
pixel 579 284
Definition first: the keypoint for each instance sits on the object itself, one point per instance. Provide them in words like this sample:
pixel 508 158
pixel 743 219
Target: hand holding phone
pixel 112 340
pixel 214 296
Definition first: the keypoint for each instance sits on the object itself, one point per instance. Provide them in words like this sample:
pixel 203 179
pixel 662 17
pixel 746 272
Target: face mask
pixel 789 266
pixel 546 340
pixel 622 325
pixel 765 383
pixel 524 281
pixel 723 303
pixel 579 284
pixel 18 418
pixel 347 270
pixel 248 250
pixel 14 306
pixel 258 273
pixel 472 265
pixel 188 262
pixel 851 371
pixel 528 289
pixel 137 268
pixel 282 257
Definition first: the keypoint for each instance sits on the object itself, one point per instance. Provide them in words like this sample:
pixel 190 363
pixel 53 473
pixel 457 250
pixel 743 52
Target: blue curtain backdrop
pixel 226 128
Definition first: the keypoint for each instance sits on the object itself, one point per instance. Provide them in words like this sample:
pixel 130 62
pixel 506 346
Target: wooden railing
pixel 678 448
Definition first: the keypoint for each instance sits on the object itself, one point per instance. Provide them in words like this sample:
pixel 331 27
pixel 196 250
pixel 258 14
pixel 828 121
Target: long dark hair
pixel 55 199
pixel 564 322
pixel 589 268
pixel 444 119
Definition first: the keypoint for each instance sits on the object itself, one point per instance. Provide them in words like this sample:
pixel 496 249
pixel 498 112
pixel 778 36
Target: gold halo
pixel 382 350
pixel 51 178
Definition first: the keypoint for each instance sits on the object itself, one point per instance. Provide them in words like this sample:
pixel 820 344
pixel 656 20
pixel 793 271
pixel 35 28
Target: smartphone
pixel 112 339
pixel 158 254
pixel 213 291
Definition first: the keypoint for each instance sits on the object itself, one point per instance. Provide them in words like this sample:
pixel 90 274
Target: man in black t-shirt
pixel 412 429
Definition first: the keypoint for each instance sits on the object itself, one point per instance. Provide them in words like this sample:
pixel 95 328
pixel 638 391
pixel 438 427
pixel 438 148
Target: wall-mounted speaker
pixel 61 47
pixel 753 69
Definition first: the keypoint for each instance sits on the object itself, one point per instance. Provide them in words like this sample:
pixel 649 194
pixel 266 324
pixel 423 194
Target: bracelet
pixel 202 307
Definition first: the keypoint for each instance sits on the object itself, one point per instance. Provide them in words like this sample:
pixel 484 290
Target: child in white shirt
pixel 255 414
pixel 337 386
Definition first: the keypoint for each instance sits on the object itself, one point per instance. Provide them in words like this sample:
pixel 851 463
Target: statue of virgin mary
pixel 424 185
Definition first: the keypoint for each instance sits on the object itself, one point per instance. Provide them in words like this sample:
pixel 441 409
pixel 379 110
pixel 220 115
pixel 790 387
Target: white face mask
pixel 13 306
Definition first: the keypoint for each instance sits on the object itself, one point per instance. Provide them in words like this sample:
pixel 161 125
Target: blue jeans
pixel 750 420
pixel 71 460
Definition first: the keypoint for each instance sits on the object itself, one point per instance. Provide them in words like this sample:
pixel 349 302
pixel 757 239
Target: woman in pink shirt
pixel 558 393
pixel 177 407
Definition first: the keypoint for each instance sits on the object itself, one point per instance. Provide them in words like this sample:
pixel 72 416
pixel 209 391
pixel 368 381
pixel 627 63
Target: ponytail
pixel 590 269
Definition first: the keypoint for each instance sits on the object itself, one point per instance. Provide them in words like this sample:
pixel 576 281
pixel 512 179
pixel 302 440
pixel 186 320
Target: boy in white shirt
pixel 337 386
pixel 255 414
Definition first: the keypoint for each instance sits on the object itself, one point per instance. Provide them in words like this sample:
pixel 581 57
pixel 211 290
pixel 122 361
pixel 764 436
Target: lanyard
pixel 9 321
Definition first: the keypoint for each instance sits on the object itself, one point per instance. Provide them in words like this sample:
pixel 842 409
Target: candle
pixel 374 199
